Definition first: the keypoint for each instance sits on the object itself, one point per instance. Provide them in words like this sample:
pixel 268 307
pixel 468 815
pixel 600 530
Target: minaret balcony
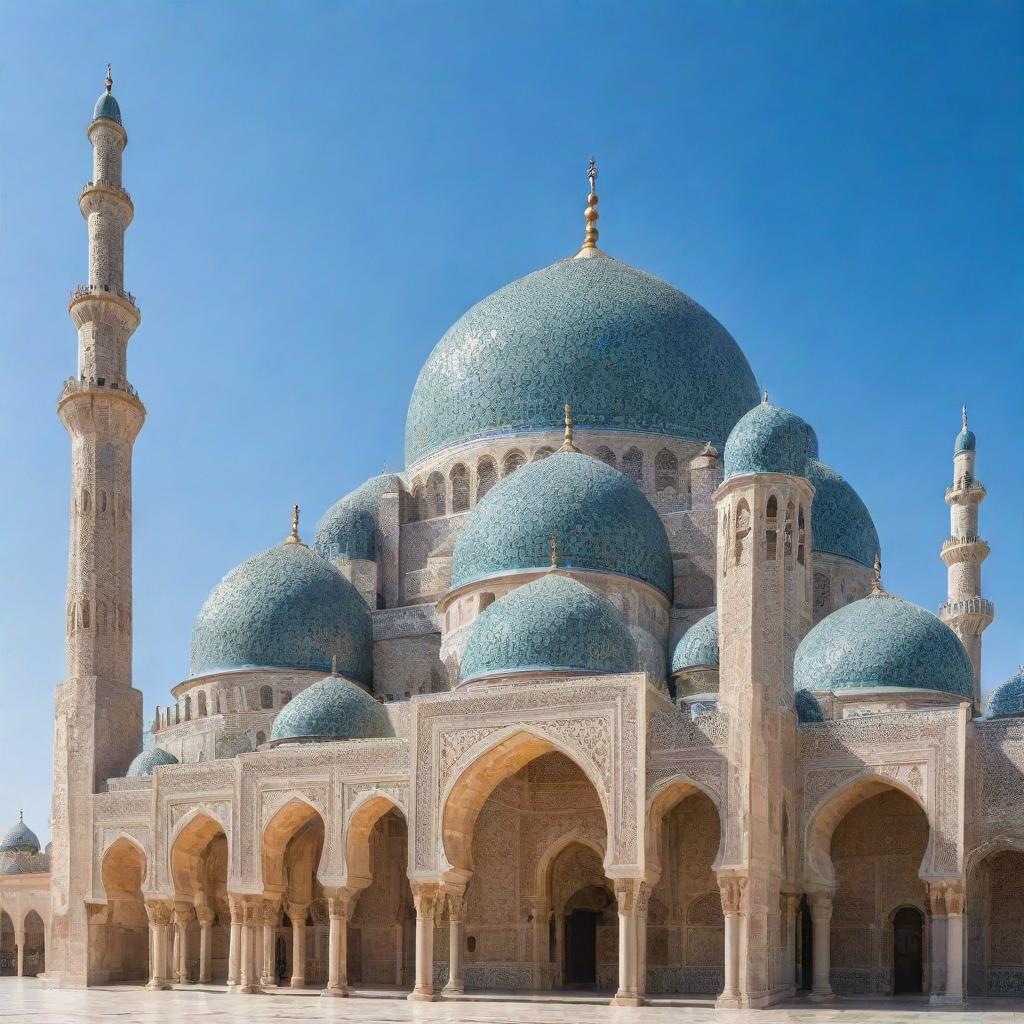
pixel 83 308
pixel 965 490
pixel 964 549
pixel 106 186
pixel 79 385
pixel 971 614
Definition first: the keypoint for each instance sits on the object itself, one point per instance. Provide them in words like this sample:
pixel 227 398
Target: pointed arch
pixel 666 471
pixel 663 799
pixel 606 455
pixel 458 478
pixel 362 820
pixel 513 460
pixel 633 465
pixel 542 876
pixel 486 476
pixel 124 864
pixel 189 844
pixel 298 817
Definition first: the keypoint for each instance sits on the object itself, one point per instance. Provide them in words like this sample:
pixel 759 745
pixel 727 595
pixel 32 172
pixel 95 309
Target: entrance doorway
pixel 907 933
pixel 805 968
pixel 581 947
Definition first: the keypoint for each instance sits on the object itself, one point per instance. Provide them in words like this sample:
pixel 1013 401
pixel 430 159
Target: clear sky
pixel 322 188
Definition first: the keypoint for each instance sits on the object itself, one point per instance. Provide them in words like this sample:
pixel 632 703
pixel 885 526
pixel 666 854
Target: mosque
pixel 602 691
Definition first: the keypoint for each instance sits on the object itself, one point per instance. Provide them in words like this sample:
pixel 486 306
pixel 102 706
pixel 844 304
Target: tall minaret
pixel 99 715
pixel 966 612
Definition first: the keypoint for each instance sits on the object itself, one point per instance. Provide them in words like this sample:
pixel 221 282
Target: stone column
pixel 456 942
pixel 19 944
pixel 627 895
pixel 539 940
pixel 937 944
pixel 733 890
pixel 643 902
pixel 158 914
pixel 267 977
pixel 235 944
pixel 297 913
pixel 954 900
pixel 821 918
pixel 791 907
pixel 340 905
pixel 181 916
pixel 559 949
pixel 204 915
pixel 426 896
pixel 247 979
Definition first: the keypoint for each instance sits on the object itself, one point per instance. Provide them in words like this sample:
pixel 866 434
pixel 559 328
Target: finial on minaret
pixel 293 537
pixel 590 214
pixel 568 445
pixel 765 396
pixel 334 664
pixel 110 79
pixel 553 545
pixel 21 815
pixel 963 414
pixel 876 577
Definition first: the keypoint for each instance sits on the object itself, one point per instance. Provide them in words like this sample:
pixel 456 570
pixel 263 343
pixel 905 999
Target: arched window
pixel 218 707
pixel 188 709
pixel 286 695
pixel 542 453
pixel 85 614
pixel 459 477
pixel 416 503
pixel 101 616
pixel 201 704
pixel 771 528
pixel 103 501
pixel 822 595
pixel 606 455
pixel 633 465
pixel 800 536
pixel 486 475
pixel 486 600
pixel 86 504
pixel 788 547
pixel 261 738
pixel 666 471
pixel 742 531
pixel 435 497
pixel 512 461
pixel 266 697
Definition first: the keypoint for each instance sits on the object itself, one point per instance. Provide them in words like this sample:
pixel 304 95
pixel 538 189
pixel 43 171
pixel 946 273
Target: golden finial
pixel 293 537
pixel 553 545
pixel 590 215
pixel 567 444
pixel 110 80
pixel 963 413
pixel 765 396
pixel 876 577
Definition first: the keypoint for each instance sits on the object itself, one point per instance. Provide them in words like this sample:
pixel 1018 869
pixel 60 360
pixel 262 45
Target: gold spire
pixel 553 545
pixel 293 537
pixel 876 577
pixel 110 80
pixel 963 413
pixel 590 215
pixel 567 444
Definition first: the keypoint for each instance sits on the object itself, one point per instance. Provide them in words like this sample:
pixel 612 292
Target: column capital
pixel 456 906
pixel 632 894
pixel 426 896
pixel 341 902
pixel 296 912
pixel 821 906
pixel 204 914
pixel 733 891
pixel 954 898
pixel 158 912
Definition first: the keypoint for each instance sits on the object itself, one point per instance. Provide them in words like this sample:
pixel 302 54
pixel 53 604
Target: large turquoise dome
pixel 348 528
pixel 770 439
pixel 698 646
pixel 554 624
pixel 600 518
pixel 148 760
pixel 284 608
pixel 883 641
pixel 625 349
pixel 332 709
pixel 1007 701
pixel 840 521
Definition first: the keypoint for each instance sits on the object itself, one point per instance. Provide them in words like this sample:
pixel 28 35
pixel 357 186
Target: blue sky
pixel 322 188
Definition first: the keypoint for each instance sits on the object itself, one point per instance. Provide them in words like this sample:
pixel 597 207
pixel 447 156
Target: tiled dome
pixel 553 624
pixel 332 709
pixel 883 641
pixel 19 838
pixel 698 646
pixel 600 518
pixel 284 608
pixel 770 439
pixel 348 528
pixel 808 709
pixel 1007 701
pixel 106 107
pixel 625 349
pixel 145 762
pixel 840 521
pixel 965 441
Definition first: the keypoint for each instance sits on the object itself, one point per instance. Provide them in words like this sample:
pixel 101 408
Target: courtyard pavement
pixel 27 1001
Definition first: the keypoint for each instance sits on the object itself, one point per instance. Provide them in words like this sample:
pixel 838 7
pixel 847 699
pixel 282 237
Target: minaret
pixel 99 715
pixel 966 612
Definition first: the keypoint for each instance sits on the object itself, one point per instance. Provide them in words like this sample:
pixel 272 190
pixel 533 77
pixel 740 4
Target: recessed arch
pixel 189 845
pixel 124 861
pixel 663 799
pixel 542 876
pixel 362 820
pixel 298 817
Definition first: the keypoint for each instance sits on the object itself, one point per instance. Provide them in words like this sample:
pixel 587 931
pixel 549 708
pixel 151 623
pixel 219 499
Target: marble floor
pixel 25 1001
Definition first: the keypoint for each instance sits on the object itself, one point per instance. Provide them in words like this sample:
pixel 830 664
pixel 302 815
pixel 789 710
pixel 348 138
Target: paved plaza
pixel 29 1002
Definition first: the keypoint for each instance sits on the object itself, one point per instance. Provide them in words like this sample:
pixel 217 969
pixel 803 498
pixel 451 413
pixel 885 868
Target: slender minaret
pixel 966 612
pixel 99 715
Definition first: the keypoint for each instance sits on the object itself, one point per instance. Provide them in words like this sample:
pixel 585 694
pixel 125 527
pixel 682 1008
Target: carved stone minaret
pixel 99 715
pixel 966 612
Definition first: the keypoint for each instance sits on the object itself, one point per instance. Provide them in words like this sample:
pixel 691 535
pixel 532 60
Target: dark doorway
pixel 805 965
pixel 907 931
pixel 581 947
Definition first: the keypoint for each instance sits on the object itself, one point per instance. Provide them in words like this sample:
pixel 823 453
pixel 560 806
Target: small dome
pixel 19 838
pixel 881 641
pixel 145 762
pixel 106 107
pixel 840 521
pixel 770 439
pixel 601 521
pixel 965 441
pixel 332 709
pixel 698 646
pixel 808 709
pixel 553 624
pixel 626 349
pixel 284 608
pixel 1007 700
pixel 348 528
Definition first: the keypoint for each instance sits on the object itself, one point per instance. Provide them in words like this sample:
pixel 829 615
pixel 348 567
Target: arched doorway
pixel 35 945
pixel 907 951
pixel 591 937
pixel 805 948
pixel 8 950
pixel 121 952
pixel 995 909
